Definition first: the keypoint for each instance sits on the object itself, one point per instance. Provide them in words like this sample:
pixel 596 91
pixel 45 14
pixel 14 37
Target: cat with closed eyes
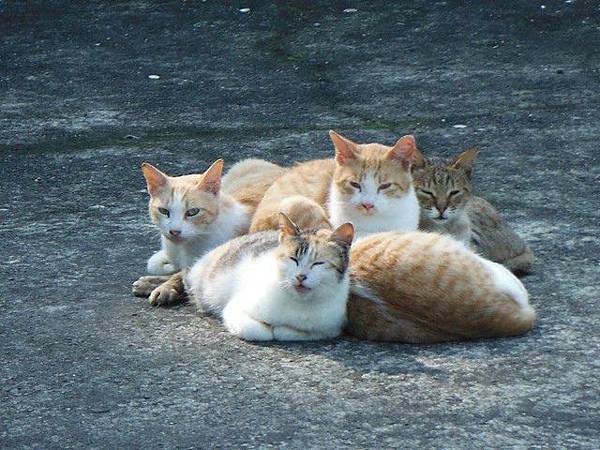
pixel 196 213
pixel 291 285
pixel 443 190
pixel 448 206
pixel 369 185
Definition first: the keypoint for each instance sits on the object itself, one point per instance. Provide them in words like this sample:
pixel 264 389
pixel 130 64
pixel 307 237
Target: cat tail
pixel 304 212
pixel 494 239
pixel 521 264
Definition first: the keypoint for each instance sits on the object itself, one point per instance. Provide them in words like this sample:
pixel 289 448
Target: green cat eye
pixel 163 211
pixel 192 212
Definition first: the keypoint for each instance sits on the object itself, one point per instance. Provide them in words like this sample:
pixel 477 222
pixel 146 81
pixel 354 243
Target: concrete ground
pixel 84 364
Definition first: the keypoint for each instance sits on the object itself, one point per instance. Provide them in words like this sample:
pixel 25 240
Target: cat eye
pixel 384 186
pixel 163 211
pixel 192 212
pixel 356 185
pixel 318 263
pixel 294 259
pixel 427 193
pixel 453 193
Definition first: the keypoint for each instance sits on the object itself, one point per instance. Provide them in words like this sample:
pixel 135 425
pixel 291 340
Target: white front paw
pixel 159 264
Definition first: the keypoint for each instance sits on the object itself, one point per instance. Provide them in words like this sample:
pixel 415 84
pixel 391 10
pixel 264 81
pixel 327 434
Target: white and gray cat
pixel 291 285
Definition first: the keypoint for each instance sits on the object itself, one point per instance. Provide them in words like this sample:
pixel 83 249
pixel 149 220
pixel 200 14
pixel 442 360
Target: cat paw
pixel 144 286
pixel 159 264
pixel 164 295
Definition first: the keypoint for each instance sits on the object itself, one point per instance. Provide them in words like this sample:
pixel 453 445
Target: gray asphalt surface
pixel 84 364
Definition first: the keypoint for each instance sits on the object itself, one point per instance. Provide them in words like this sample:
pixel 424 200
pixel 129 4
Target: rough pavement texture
pixel 84 364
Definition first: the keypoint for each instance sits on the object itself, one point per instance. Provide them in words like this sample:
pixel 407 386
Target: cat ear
pixel 420 162
pixel 404 151
pixel 465 160
pixel 344 234
pixel 345 149
pixel 211 181
pixel 286 226
pixel 155 179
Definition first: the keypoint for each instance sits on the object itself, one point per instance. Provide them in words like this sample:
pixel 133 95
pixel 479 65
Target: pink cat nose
pixel 368 206
pixel 301 278
pixel 175 232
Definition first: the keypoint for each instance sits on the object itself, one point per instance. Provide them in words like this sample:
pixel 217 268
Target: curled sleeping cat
pixel 291 285
pixel 196 213
pixel 425 287
pixel 448 206
pixel 369 185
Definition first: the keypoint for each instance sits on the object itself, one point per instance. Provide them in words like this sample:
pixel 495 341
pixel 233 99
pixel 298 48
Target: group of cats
pixel 378 242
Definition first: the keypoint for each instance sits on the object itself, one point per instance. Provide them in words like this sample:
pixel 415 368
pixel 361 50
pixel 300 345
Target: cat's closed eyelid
pixel 163 211
pixel 427 193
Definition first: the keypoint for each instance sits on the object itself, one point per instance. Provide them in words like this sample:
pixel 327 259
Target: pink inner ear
pixel 405 150
pixel 211 181
pixel 344 148
pixel 155 179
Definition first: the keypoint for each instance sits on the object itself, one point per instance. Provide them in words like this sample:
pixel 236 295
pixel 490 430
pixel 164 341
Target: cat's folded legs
pixel 143 286
pixel 245 327
pixel 283 333
pixel 170 292
pixel 159 264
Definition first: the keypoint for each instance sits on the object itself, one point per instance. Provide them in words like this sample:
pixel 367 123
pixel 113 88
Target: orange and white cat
pixel 369 185
pixel 196 213
pixel 192 214
pixel 372 186
pixel 425 287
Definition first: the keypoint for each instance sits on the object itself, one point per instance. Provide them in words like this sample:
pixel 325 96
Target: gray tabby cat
pixel 448 207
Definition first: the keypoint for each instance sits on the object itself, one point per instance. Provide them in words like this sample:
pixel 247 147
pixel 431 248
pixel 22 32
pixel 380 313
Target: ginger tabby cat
pixel 195 214
pixel 424 287
pixel 369 185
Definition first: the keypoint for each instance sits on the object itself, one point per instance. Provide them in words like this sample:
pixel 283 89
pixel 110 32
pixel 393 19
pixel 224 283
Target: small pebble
pixel 245 10
pixel 154 77
pixel 350 10
pixel 459 126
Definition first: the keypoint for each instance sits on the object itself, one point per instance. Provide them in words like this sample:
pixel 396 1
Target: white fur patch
pixel 392 214
pixel 197 242
pixel 507 282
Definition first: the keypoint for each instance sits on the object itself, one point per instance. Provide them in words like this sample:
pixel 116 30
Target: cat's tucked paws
pixel 144 286
pixel 164 295
pixel 283 333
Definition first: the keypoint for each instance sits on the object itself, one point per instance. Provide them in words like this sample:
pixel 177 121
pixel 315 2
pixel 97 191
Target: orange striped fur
pixel 424 288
